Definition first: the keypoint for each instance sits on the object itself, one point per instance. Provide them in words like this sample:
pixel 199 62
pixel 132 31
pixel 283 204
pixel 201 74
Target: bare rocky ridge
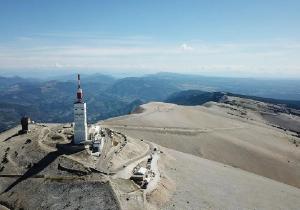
pixel 42 169
pixel 38 175
pixel 277 115
pixel 221 132
pixel 239 137
pixel 203 184
pixel 215 156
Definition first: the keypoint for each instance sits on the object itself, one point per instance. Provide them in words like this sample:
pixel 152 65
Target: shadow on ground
pixel 16 134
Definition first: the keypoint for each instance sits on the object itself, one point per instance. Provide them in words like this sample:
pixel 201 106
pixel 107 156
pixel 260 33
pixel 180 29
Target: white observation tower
pixel 80 127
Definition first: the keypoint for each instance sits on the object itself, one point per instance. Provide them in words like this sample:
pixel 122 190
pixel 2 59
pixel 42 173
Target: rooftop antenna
pixel 78 79
pixel 79 91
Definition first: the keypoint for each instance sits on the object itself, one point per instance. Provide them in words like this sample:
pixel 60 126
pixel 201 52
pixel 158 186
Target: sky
pixel 253 38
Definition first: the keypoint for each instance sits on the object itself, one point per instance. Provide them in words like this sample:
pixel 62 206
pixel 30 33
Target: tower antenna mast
pixel 79 91
pixel 78 81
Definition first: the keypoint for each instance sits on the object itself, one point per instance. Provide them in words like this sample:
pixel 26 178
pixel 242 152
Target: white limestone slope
pixel 216 158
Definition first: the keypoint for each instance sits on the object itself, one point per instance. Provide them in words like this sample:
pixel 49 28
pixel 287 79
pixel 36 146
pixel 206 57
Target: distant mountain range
pixel 198 97
pixel 52 100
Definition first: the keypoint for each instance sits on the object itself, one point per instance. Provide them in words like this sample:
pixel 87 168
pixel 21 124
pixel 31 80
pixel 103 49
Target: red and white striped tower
pixel 80 121
pixel 79 90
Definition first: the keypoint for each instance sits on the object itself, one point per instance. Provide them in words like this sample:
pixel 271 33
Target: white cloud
pixel 58 65
pixel 267 58
pixel 186 47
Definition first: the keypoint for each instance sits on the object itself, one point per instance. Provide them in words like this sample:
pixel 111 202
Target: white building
pixel 80 122
pixel 93 131
pixel 96 139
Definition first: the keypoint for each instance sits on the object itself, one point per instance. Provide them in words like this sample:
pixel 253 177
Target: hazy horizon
pixel 50 74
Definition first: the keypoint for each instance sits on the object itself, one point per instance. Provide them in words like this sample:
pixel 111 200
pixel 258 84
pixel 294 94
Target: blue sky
pixel 258 38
